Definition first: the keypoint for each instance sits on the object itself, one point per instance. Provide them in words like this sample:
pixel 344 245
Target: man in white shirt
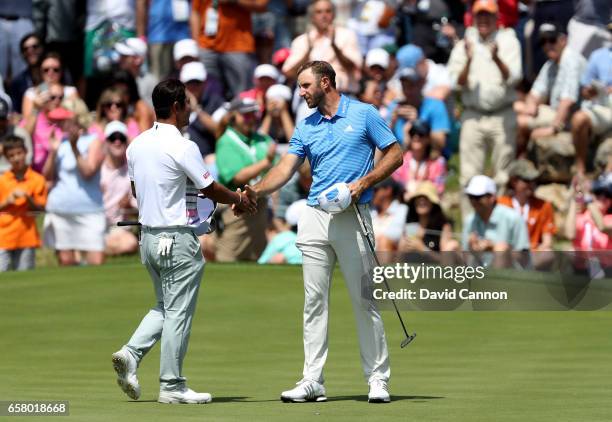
pixel 167 173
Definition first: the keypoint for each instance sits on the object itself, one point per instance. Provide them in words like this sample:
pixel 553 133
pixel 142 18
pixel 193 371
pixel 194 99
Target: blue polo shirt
pixel 431 110
pixel 341 149
pixel 505 225
pixel 599 67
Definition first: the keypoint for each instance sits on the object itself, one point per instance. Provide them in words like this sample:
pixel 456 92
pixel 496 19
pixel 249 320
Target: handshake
pixel 247 203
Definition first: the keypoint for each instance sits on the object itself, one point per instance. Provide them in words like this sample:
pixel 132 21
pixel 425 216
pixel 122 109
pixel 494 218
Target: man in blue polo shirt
pixel 339 140
pixel 417 107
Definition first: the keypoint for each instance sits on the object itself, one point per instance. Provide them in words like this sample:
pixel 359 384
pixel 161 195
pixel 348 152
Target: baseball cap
pixel 420 127
pixel 480 185
pixel 279 91
pixel 115 127
pixel 489 6
pixel 131 47
pixel 280 56
pixel 549 31
pixel 409 55
pixel 335 199
pixel 524 169
pixel 377 56
pixel 266 71
pixel 185 48
pixel 410 74
pixel 244 105
pixel 193 71
pixel 4 109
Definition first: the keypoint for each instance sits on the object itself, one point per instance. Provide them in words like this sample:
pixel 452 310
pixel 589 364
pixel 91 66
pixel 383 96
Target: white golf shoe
pixel 379 392
pixel 184 396
pixel 306 390
pixel 125 366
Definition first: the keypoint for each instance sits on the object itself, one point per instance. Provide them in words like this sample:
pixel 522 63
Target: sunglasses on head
pixel 117 137
pixel 113 103
pixel 51 69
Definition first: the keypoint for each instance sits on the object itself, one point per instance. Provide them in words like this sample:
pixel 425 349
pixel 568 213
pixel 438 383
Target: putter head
pixel 408 340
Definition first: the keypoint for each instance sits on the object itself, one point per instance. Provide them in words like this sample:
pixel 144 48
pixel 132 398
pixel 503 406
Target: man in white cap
pixel 377 64
pixel 132 55
pixel 186 51
pixel 204 102
pixel 492 227
pixel 264 76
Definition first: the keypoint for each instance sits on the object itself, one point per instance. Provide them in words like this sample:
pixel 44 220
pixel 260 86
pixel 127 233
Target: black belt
pixel 10 17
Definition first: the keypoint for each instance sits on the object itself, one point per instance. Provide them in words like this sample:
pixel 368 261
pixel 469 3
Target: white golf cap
pixel 132 47
pixel 193 71
pixel 335 199
pixel 481 185
pixel 185 48
pixel 266 70
pixel 377 56
pixel 279 91
pixel 293 213
pixel 114 127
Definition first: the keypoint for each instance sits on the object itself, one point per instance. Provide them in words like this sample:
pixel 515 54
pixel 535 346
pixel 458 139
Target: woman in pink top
pixel 418 165
pixel 112 106
pixel 41 128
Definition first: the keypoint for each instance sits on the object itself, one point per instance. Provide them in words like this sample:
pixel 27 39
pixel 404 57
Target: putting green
pixel 60 326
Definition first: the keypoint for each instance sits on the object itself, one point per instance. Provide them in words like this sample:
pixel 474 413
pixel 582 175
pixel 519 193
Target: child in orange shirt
pixel 22 190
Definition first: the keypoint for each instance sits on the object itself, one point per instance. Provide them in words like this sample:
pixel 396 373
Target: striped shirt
pixel 341 149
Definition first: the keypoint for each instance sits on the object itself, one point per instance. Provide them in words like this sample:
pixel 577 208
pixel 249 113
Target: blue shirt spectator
pixel 431 110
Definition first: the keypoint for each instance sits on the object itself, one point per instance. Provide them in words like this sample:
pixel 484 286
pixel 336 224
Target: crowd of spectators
pixel 483 81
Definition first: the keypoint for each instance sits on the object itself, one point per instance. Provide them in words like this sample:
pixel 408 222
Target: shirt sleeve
pixel 540 86
pixel 192 164
pixel 39 194
pixel 298 49
pixel 548 219
pixel 571 86
pixel 440 121
pixel 296 146
pixel 377 130
pixel 130 165
pixel 456 63
pixel 590 73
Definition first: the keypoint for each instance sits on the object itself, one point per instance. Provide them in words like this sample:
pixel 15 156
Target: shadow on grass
pixel 364 398
pixel 227 399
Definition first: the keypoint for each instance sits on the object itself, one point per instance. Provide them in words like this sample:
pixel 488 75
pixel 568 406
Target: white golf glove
pixel 165 246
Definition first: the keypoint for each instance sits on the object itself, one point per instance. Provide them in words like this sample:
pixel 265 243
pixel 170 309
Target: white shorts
pixel 601 118
pixel 80 232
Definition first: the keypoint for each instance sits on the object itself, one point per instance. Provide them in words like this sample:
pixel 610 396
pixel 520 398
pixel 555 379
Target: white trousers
pixel 324 238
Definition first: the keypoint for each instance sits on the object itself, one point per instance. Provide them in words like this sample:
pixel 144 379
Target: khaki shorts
pixel 600 116
pixel 545 117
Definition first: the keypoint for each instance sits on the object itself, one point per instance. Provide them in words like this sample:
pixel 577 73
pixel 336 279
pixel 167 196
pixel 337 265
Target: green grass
pixel 60 326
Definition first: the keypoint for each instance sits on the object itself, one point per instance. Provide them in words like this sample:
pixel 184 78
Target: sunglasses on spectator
pixel 51 69
pixel 56 97
pixel 476 197
pixel 113 103
pixel 30 47
pixel 117 137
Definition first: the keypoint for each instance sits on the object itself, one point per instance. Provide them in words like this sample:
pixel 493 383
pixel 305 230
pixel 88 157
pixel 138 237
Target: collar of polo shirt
pixel 342 108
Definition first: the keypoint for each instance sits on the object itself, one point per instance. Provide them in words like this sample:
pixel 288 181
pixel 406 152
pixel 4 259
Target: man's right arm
pixel 278 175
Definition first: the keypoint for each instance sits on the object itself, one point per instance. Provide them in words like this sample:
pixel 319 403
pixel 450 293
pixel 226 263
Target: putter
pixel 366 233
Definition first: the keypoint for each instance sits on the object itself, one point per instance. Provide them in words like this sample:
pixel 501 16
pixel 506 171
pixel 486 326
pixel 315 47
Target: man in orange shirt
pixel 537 214
pixel 22 191
pixel 224 34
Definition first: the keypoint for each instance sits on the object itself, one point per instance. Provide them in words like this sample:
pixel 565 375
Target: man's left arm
pixel 391 159
pixel 348 55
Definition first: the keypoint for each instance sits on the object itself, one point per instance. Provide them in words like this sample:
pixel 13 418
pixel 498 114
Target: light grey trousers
pixel 324 239
pixel 17 259
pixel 176 280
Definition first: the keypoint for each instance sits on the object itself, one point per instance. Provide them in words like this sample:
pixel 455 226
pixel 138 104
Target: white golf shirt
pixel 165 168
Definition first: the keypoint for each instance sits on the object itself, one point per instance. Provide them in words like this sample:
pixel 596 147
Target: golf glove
pixel 165 246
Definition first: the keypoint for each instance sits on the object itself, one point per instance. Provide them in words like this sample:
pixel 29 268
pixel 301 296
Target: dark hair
pixel 436 220
pixel 320 69
pixel 27 37
pixel 165 94
pixel 124 77
pixel 12 142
